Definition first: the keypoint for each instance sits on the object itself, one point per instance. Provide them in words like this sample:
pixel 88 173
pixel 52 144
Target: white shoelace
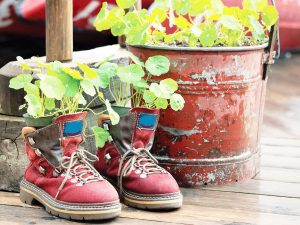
pixel 79 165
pixel 140 159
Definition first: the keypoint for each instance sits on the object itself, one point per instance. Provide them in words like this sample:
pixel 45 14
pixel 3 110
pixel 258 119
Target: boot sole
pixel 151 202
pixel 29 193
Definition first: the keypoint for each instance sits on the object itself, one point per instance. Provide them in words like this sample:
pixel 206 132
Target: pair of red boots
pixel 63 178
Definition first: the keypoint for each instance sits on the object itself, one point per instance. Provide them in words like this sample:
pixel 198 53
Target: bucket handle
pixel 270 54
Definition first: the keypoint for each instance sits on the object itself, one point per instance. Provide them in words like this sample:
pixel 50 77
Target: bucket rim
pixel 203 49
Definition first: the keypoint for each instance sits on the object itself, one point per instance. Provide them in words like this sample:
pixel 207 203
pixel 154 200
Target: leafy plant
pixel 59 89
pixel 197 23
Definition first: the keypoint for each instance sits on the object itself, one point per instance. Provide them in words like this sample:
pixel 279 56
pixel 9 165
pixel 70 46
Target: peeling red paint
pixel 215 138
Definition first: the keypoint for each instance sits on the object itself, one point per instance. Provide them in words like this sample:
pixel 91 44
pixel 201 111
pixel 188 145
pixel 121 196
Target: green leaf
pixel 71 84
pixel 161 103
pixel 257 29
pixel 137 35
pixel 118 28
pixel 30 88
pixel 25 66
pixel 158 91
pixel 88 87
pixel 114 117
pixel 177 102
pixel 182 23
pixel 131 73
pixel 105 72
pixel 256 5
pixel 269 15
pixel 115 15
pixel 73 73
pixel 157 65
pixel 19 81
pixel 88 72
pixel 49 104
pixel 135 59
pixel 208 35
pixel 230 22
pixel 141 84
pixel 34 105
pixel 52 87
pixel 101 136
pixel 81 99
pixel 168 85
pixel 125 4
pixel 157 15
pixel 149 96
pixel 101 22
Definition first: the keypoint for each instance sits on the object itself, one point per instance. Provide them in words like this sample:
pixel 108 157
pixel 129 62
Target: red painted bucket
pixel 216 137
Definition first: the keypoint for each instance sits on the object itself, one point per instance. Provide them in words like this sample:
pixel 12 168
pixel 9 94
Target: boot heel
pixel 26 197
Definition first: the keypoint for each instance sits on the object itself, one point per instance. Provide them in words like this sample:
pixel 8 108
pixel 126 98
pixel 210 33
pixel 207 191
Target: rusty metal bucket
pixel 216 137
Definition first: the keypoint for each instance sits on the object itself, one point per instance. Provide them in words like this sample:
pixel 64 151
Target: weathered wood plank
pixel 12 215
pixel 13 160
pixel 279 174
pixel 214 207
pixel 280 162
pixel 261 187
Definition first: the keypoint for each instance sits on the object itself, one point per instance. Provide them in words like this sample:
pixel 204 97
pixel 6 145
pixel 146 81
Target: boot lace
pixel 79 166
pixel 139 159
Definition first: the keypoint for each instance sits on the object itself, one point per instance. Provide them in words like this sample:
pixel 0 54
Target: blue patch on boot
pixel 147 121
pixel 72 128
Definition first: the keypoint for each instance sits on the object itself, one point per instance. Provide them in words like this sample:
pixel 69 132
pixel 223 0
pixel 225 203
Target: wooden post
pixel 59 30
pixel 122 39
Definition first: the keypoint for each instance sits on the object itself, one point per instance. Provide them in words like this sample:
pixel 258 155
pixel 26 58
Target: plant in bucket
pixel 219 57
pixel 125 160
pixel 60 175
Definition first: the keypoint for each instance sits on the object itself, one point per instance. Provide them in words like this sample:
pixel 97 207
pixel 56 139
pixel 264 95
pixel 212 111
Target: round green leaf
pixel 158 91
pixel 88 87
pixel 125 4
pixel 230 22
pixel 49 104
pixel 52 87
pixel 269 15
pixel 161 103
pixel 30 88
pixel 176 102
pixel 88 72
pixel 118 28
pixel 34 105
pixel 131 74
pixel 157 65
pixel 168 85
pixel 101 136
pixel 19 81
pixel 148 96
pixel 101 22
pixel 114 117
pixel 105 72
pixel 208 35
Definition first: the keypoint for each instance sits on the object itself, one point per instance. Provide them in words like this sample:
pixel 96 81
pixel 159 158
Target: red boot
pixel 60 175
pixel 127 162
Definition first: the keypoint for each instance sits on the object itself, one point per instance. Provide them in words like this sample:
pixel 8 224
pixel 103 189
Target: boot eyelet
pixel 38 152
pixel 137 171
pixel 143 175
pixel 105 126
pixel 42 170
pixel 110 139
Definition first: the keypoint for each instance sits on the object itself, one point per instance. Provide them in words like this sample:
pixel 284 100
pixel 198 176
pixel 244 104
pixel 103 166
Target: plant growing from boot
pixel 134 83
pixel 195 23
pixel 59 89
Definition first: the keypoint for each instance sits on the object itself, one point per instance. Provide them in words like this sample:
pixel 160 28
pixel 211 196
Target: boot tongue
pixel 71 128
pixel 146 121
